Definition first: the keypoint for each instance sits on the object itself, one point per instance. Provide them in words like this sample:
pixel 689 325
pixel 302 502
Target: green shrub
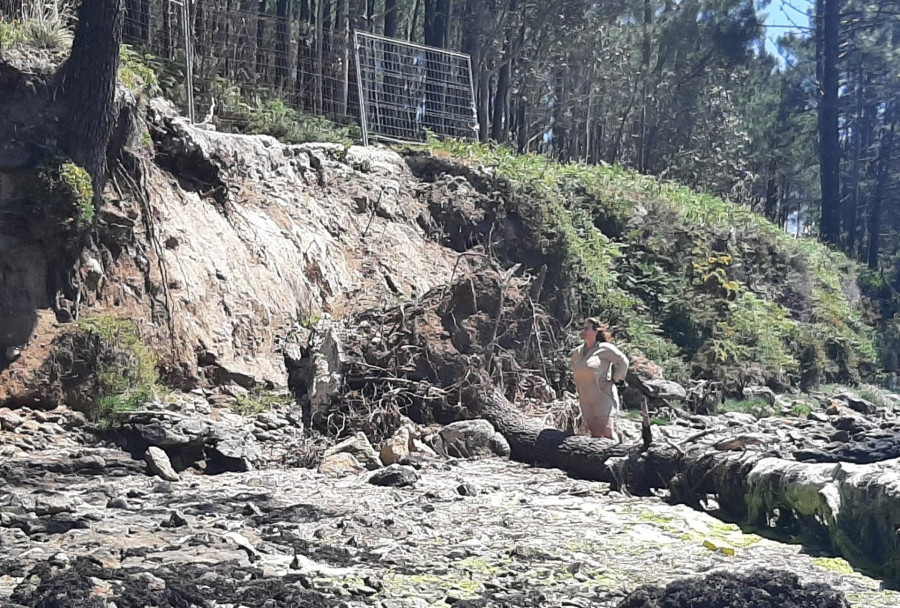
pixel 260 401
pixel 800 410
pixel 125 368
pixel 137 72
pixel 63 197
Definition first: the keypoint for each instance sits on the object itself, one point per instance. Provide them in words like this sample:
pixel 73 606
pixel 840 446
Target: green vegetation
pixel 44 25
pixel 236 110
pixel 704 287
pixel 258 401
pixel 136 74
pixel 759 408
pixel 119 368
pixel 63 196
pixel 800 410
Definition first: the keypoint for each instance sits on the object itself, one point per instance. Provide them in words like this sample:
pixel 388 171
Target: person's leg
pixel 598 426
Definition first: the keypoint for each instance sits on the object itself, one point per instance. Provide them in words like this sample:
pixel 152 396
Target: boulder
pixel 472 439
pixel 857 404
pixel 232 452
pixel 159 464
pixel 358 445
pixel 397 447
pixel 396 475
pixel 760 392
pixel 340 465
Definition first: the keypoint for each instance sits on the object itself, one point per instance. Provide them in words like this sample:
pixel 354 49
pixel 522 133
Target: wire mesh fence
pixel 408 89
pixel 229 62
pixel 238 59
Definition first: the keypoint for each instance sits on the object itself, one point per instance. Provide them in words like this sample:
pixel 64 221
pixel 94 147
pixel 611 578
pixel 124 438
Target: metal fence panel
pixel 409 89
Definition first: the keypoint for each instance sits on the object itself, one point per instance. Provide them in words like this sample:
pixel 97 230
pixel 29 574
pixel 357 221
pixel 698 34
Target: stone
pixel 466 489
pixel 421 447
pixel 9 421
pixel 232 453
pixel 358 446
pixel 857 404
pixel 397 447
pixel 59 559
pixel 472 439
pixel 119 502
pixel 340 465
pixel 159 464
pixel 760 392
pixel 176 520
pixel 395 475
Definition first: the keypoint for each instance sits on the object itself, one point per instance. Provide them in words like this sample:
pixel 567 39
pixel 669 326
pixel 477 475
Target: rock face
pixel 306 229
pixel 189 442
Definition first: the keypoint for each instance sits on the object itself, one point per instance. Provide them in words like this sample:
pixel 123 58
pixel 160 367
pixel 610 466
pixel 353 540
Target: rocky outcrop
pixel 224 246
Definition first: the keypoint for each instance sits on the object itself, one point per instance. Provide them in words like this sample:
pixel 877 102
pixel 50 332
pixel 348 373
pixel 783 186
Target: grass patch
pixel 109 368
pixel 258 401
pixel 800 410
pixel 759 408
pixel 44 25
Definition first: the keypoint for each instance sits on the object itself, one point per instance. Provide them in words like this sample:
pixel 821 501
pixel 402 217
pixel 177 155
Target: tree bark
pixel 260 36
pixel 828 39
pixel 885 153
pixel 771 205
pixel 282 59
pixel 87 84
pixel 391 18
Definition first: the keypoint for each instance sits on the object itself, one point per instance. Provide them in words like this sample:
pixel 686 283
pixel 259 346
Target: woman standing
pixel 596 366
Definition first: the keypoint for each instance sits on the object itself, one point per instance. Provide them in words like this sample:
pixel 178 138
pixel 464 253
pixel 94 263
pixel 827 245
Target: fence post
pixel 363 106
pixel 188 58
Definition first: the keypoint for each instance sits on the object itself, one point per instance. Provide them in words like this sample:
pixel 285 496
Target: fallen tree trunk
pixel 636 468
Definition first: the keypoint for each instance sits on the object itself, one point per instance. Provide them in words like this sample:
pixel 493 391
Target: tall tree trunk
pixel 437 13
pixel 412 32
pixel 282 58
pixel 391 18
pixel 167 30
pixel 305 13
pixel 645 64
pixel 827 36
pixel 851 210
pixel 885 154
pixel 87 84
pixel 370 15
pixel 501 100
pixel 320 53
pixel 343 23
pixel 771 205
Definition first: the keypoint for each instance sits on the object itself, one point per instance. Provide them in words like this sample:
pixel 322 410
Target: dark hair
pixel 603 333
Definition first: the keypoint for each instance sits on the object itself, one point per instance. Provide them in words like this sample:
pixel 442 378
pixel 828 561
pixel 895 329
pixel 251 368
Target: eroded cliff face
pixel 218 246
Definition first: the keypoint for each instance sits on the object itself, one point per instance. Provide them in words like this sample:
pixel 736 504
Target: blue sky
pixel 784 15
